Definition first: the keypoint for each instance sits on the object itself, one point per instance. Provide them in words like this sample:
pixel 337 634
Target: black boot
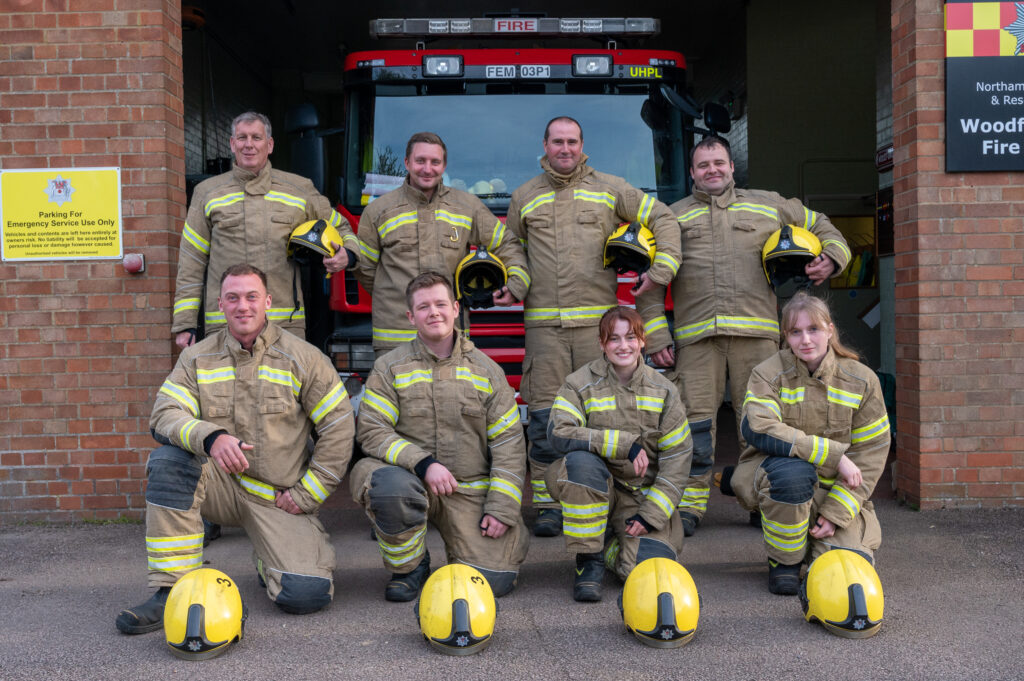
pixel 549 523
pixel 783 579
pixel 406 587
pixel 211 531
pixel 145 617
pixel 589 574
pixel 690 523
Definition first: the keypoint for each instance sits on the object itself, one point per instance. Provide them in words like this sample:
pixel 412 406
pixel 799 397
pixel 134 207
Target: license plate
pixel 534 71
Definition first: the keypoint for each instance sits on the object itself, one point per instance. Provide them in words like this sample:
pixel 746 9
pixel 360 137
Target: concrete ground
pixel 954 609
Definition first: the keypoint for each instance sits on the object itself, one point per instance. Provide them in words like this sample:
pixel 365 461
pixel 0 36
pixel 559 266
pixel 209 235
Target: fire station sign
pixel 984 85
pixel 60 214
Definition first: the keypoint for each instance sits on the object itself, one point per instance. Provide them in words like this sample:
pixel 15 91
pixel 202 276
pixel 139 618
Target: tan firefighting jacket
pixel 721 288
pixel 241 217
pixel 271 399
pixel 595 412
pixel 839 410
pixel 403 234
pixel 565 221
pixel 459 409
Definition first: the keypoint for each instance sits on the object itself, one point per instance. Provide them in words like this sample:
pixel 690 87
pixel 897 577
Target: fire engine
pixel 490 105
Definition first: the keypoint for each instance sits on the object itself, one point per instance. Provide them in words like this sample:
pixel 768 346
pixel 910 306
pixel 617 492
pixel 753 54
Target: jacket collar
pixel 268 336
pixel 723 200
pixel 607 369
pixel 256 184
pixel 558 180
pixel 461 347
pixel 414 195
pixel 826 370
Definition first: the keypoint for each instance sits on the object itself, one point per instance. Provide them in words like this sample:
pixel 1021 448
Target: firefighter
pixel 818 436
pixel 565 215
pixel 625 444
pixel 425 225
pixel 725 313
pixel 248 397
pixel 248 214
pixel 440 427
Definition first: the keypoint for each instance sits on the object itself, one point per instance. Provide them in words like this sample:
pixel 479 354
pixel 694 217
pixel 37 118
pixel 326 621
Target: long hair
pixel 817 310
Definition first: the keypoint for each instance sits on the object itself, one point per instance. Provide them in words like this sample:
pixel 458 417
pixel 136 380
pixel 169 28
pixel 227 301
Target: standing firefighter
pixel 565 215
pixel 422 226
pixel 440 425
pixel 726 314
pixel 235 416
pixel 626 448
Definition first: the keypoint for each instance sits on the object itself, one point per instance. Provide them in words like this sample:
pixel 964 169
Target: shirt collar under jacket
pixel 723 200
pixel 417 196
pixel 256 184
pixel 559 180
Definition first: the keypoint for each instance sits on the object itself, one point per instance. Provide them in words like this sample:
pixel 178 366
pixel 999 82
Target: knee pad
pixel 653 548
pixel 397 500
pixel 703 448
pixel 792 481
pixel 173 475
pixel 502 581
pixel 537 432
pixel 584 468
pixel 302 594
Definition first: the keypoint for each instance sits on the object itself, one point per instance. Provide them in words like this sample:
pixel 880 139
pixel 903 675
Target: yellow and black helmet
pixel 203 615
pixel 785 255
pixel 630 248
pixel 842 591
pixel 479 275
pixel 456 610
pixel 314 236
pixel 659 603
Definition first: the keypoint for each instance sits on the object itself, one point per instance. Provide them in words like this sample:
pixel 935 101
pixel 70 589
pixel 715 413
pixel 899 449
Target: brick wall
pixel 959 295
pixel 83 345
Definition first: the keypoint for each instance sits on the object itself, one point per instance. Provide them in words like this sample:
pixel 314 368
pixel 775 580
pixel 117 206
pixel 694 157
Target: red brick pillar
pixel 83 344
pixel 959 294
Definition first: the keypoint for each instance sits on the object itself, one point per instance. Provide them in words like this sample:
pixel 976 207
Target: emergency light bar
pixel 511 27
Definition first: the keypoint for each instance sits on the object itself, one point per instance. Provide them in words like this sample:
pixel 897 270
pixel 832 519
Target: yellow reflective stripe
pixel 281 377
pixel 328 402
pixel 731 322
pixel 826 482
pixel 255 487
pixel 394 449
pixel 819 450
pixel 176 563
pixel 193 237
pixel 180 543
pixel 186 431
pixel 396 222
pixel 693 213
pixel 588 312
pixel 846 499
pixel 870 431
pixel 609 444
pixel 481 383
pixel 412 377
pixel 537 201
pixel 674 437
pixel 507 420
pixel 393 335
pixel 650 403
pixel 593 404
pixel 370 253
pixel 659 498
pixel 313 486
pixel 540 492
pixel 668 260
pixel 507 488
pixel 810 217
pixel 220 375
pixel 567 406
pixel 764 402
pixel 788 538
pixel 583 510
pixel 584 530
pixel 182 396
pixel 186 304
pixel 791 395
pixel 658 323
pixel 643 215
pixel 334 218
pixel 381 404
pixel 847 399
pixel 517 271
pixel 695 498
pixel 694 329
pixel 221 201
pixel 397 554
pixel 839 244
pixel 482 483
pixel 758 208
pixel 453 218
pixel 497 235
pixel 603 198
pixel 286 199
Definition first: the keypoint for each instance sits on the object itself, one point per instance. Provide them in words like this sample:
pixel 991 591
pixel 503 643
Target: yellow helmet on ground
pixel 842 591
pixel 785 255
pixel 456 610
pixel 478 276
pixel 316 236
pixel 659 603
pixel 630 248
pixel 204 615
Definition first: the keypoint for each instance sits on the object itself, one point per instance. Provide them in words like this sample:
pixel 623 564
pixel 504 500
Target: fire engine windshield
pixel 495 141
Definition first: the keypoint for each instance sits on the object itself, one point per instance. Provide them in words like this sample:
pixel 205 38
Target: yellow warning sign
pixel 60 214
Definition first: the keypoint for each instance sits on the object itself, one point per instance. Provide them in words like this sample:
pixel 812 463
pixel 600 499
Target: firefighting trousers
pixel 399 505
pixel 702 370
pixel 552 353
pixel 787 492
pixel 594 513
pixel 293 553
